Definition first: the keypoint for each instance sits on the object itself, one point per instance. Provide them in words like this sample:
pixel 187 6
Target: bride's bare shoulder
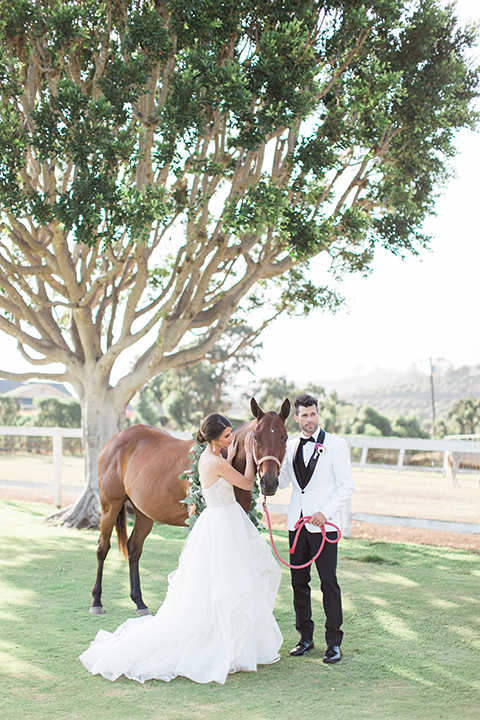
pixel 211 470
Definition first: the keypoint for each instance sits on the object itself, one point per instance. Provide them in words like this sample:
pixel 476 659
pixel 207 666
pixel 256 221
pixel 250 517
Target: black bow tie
pixel 304 440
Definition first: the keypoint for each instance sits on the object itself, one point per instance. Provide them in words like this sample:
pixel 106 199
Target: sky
pixel 403 314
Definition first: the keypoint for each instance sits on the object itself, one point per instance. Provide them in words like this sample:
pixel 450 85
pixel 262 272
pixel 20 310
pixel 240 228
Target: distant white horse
pixel 454 459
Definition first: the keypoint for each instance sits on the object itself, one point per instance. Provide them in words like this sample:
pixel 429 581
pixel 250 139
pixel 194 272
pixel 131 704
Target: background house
pixel 27 392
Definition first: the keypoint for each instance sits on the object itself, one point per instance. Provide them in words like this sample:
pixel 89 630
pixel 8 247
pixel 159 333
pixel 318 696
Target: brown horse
pixel 142 464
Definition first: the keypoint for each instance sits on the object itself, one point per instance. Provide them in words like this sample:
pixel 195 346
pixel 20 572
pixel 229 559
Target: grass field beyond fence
pixel 411 648
pixel 417 494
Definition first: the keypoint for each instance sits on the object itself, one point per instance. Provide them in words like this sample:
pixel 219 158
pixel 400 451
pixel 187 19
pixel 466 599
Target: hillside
pixel 412 396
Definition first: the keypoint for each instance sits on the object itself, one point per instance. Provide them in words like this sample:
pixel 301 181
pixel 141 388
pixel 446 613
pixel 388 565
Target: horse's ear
pixel 256 410
pixel 285 409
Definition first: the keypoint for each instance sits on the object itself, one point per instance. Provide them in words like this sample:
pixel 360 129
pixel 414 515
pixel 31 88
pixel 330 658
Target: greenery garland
pixel 195 500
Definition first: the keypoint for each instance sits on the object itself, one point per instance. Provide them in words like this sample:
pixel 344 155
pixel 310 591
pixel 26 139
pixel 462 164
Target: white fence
pixel 417 444
pixel 429 487
pixel 57 434
pixel 446 506
pixel 400 492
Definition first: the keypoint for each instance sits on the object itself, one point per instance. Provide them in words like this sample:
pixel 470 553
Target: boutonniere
pixel 318 450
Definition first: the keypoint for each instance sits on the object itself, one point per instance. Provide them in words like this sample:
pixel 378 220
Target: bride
pixel 217 615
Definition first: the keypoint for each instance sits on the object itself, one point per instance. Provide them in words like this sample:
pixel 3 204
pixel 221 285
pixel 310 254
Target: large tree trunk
pixel 102 417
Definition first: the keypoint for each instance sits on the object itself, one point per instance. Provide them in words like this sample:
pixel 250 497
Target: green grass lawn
pixel 411 647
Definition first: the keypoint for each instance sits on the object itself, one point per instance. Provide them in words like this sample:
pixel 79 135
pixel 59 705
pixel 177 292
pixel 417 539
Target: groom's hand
pixel 318 519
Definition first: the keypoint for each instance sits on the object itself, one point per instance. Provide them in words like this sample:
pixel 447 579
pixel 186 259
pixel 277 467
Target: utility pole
pixel 432 397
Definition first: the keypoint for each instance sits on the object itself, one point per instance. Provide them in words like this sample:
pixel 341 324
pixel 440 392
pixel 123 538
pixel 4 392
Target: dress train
pixel 217 615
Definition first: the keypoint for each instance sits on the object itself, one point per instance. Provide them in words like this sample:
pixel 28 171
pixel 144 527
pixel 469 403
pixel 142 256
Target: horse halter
pixel 258 461
pixel 264 458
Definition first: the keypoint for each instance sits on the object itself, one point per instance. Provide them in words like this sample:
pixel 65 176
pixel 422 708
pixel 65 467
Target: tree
pixel 55 413
pixel 463 418
pixel 273 391
pixel 334 412
pixel 369 421
pixel 339 416
pixel 10 411
pixel 145 410
pixel 408 427
pixel 167 167
pixel 187 395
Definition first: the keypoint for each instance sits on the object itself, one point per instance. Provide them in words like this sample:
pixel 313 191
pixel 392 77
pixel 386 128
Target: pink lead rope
pixel 298 526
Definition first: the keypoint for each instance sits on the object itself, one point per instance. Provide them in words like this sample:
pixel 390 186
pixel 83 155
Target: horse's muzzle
pixel 268 486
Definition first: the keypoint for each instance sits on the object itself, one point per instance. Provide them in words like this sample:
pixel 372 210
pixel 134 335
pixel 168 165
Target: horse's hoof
pixel 96 610
pixel 144 611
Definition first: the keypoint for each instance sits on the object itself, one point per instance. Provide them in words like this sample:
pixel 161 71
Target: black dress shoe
pixel 303 647
pixel 332 654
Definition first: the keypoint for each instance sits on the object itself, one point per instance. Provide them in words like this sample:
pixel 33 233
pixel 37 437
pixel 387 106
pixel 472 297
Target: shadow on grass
pixel 418 610
pixel 47 575
pixel 412 633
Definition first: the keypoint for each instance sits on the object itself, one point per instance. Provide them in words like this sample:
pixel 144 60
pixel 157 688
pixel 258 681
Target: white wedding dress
pixel 217 615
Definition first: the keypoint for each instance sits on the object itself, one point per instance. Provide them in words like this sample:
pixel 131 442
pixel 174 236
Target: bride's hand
pixel 232 450
pixel 249 439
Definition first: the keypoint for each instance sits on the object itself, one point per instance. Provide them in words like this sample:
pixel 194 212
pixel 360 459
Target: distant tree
pixel 369 421
pixel 463 418
pixel 408 427
pixel 274 390
pixel 145 408
pixel 55 413
pixel 371 431
pixel 10 411
pixel 186 395
pixel 271 392
pixel 339 416
pixel 441 428
pixel 334 413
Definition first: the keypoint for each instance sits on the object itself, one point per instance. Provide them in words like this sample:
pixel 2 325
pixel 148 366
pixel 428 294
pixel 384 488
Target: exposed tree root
pixel 85 513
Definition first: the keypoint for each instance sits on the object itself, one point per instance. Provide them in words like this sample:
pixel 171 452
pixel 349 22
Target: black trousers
pixel 307 546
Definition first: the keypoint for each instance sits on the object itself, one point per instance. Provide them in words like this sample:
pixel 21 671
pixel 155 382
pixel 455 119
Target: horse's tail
pixel 121 528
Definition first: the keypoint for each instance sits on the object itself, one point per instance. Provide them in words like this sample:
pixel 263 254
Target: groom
pixel 318 466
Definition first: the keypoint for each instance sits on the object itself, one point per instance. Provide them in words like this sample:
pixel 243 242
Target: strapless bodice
pixel 219 494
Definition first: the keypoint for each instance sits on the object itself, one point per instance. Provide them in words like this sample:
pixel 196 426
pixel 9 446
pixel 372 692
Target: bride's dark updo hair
pixel 212 427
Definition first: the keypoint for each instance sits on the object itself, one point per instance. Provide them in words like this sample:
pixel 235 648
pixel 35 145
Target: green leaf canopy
pixel 165 163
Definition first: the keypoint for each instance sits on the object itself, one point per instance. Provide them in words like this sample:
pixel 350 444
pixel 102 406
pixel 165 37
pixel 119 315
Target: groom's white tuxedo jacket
pixel 329 488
